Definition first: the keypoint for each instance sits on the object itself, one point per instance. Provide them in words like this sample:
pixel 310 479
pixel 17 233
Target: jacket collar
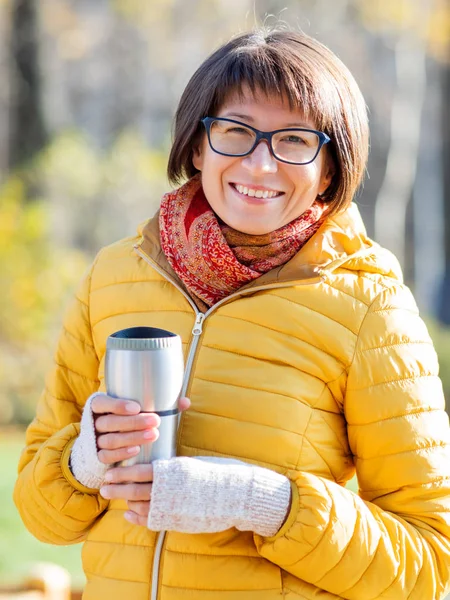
pixel 341 242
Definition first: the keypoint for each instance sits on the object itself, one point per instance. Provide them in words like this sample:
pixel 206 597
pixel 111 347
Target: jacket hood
pixel 342 242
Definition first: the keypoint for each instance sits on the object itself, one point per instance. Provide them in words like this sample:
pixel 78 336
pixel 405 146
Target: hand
pixel 121 428
pixel 201 495
pixel 133 484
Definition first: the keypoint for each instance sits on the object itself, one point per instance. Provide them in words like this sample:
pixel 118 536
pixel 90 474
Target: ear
pixel 197 157
pixel 328 172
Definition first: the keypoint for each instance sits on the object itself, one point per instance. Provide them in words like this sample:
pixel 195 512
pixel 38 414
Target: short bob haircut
pixel 291 65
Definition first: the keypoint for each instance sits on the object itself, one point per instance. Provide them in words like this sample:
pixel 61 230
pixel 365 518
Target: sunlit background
pixel 88 90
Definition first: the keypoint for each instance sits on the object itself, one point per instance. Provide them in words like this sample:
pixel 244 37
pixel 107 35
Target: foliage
pixel 429 19
pixel 91 198
pixel 99 196
pixel 35 277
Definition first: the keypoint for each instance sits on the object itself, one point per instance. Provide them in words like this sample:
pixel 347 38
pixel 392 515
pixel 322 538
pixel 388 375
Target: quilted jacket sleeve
pixel 53 505
pixel 393 540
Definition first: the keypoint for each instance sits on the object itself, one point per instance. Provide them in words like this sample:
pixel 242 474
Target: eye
pixel 294 139
pixel 238 130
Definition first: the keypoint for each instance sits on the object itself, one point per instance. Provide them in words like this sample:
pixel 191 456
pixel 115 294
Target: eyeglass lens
pixel 292 146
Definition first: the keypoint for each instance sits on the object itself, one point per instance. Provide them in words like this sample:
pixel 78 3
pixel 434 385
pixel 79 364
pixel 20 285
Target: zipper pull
pixel 198 327
pixel 322 274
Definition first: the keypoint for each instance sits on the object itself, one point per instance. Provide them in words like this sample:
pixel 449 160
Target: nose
pixel 260 160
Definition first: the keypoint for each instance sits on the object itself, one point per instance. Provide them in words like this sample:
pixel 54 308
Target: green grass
pixel 18 548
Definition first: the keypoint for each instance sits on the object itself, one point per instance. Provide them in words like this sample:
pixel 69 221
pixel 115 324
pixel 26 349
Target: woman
pixel 306 359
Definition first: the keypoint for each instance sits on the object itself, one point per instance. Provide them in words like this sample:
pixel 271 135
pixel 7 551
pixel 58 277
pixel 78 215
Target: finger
pixel 109 423
pixel 140 508
pixel 135 519
pixel 136 473
pixel 102 403
pixel 184 404
pixel 127 491
pixel 109 457
pixel 114 441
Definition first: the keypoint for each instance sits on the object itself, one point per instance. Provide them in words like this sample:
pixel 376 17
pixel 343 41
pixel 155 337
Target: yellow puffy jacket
pixel 314 369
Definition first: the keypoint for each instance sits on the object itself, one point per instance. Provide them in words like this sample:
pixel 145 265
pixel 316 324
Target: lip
pixel 253 199
pixel 255 187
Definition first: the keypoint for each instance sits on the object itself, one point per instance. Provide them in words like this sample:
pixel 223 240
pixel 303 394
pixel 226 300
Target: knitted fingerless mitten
pixel 209 494
pixel 84 463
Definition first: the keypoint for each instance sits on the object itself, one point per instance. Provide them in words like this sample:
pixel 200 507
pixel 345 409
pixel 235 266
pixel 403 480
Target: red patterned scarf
pixel 214 260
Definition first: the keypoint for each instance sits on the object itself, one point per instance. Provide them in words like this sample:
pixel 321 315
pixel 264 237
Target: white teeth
pixel 256 193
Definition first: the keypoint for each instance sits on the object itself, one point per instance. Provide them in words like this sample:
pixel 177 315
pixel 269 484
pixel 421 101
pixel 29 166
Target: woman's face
pixel 296 186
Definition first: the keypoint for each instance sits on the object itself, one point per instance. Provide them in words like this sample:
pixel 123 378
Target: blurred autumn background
pixel 88 90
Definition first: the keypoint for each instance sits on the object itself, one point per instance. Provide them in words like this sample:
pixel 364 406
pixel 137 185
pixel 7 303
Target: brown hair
pixel 294 66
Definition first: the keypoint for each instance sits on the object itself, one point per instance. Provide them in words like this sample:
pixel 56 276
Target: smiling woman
pixel 306 362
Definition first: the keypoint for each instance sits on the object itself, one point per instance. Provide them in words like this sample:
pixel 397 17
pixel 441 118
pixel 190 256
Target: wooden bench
pixel 45 581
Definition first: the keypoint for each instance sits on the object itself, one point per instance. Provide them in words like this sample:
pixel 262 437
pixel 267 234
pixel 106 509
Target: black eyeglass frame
pixel 265 135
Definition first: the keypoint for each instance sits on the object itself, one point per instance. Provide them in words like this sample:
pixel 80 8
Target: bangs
pixel 261 69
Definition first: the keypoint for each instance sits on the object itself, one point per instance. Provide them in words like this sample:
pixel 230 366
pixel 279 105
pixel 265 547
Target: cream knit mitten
pixel 84 463
pixel 209 494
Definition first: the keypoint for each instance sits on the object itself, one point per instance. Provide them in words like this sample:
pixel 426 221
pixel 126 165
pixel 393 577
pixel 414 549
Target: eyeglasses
pixel 296 146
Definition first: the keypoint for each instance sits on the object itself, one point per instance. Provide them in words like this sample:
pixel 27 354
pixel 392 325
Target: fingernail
pixel 108 477
pixel 132 407
pixel 149 435
pixel 134 450
pixel 104 491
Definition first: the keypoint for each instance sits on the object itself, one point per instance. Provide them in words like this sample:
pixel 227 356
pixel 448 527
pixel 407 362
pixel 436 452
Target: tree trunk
pixel 396 189
pixel 27 134
pixel 5 88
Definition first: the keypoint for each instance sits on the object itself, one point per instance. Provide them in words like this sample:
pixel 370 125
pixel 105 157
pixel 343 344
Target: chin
pixel 257 230
pixel 250 228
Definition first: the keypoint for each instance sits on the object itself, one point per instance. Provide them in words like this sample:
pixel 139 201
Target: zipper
pixel 197 331
pixel 196 334
pixel 160 539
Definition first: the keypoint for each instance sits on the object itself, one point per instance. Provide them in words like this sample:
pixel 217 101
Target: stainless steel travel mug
pixel 145 364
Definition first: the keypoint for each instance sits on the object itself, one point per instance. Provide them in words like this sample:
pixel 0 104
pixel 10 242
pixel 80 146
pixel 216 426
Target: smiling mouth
pixel 256 193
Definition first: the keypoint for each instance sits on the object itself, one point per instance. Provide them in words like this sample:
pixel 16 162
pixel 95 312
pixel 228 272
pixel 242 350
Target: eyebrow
pixel 252 120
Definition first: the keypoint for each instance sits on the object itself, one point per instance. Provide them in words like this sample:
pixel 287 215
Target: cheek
pixel 216 168
pixel 307 178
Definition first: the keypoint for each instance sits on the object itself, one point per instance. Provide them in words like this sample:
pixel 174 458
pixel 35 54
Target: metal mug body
pixel 145 364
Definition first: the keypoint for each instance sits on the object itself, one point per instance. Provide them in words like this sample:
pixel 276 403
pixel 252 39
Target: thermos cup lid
pixel 142 338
